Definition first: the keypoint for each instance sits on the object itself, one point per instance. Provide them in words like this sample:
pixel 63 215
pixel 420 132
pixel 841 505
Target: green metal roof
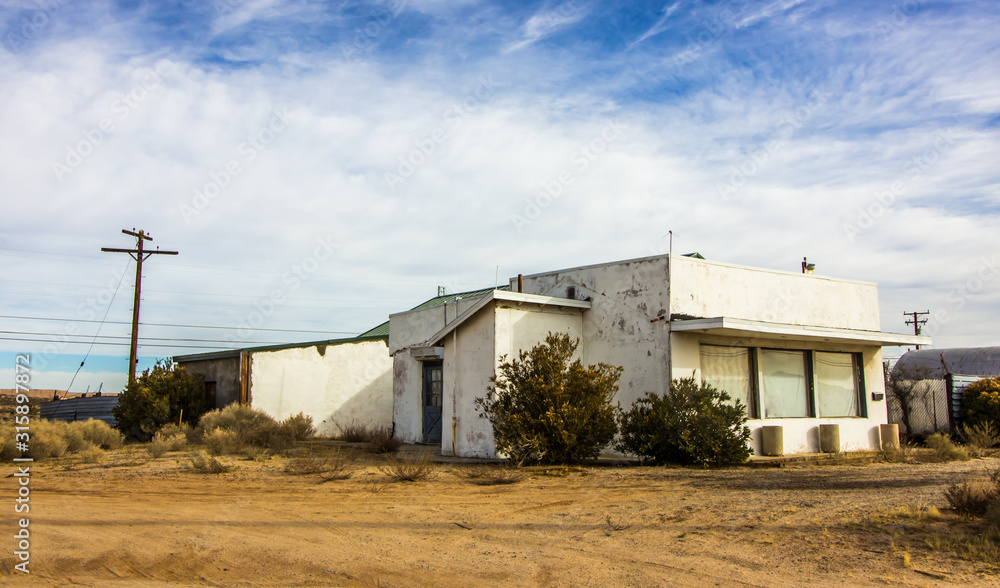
pixel 439 300
pixel 379 331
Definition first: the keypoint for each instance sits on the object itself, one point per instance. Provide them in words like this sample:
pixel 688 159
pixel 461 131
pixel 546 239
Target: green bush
pixel 547 409
pixel 981 402
pixel 165 393
pixel 691 424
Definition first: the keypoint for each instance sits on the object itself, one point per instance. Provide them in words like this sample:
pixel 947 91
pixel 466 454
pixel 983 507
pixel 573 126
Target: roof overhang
pixel 733 327
pixel 515 297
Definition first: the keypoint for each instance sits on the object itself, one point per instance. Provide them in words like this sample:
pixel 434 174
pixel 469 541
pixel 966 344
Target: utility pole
pixel 139 255
pixel 916 321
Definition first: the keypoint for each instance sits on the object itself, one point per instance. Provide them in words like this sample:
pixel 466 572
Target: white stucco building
pixel 336 382
pixel 799 350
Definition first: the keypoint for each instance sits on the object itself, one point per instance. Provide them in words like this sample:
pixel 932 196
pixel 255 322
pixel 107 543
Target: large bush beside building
pixel 165 393
pixel 981 402
pixel 546 408
pixel 692 424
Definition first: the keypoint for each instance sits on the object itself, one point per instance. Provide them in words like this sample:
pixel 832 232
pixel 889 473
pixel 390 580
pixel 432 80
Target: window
pixel 783 384
pixel 836 385
pixel 728 369
pixel 787 383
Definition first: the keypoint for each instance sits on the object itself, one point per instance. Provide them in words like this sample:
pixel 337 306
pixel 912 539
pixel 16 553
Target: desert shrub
pixel 222 441
pixel 254 453
pixel 158 447
pixel 944 448
pixel 8 446
pixel 546 409
pixel 298 427
pixel 204 462
pixel 163 394
pixel 353 432
pixel 979 437
pixel 171 430
pixel 92 455
pixel 901 454
pixel 408 471
pixel 247 426
pixel 382 441
pixel 981 402
pixel 47 439
pixel 99 433
pixel 692 424
pixel 992 515
pixel 972 498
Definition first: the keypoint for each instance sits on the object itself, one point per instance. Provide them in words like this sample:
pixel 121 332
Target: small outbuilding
pixel 933 381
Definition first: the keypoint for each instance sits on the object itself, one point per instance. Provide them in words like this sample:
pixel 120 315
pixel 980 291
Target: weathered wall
pixel 407 403
pixel 224 372
pixel 469 361
pixel 407 329
pixel 706 289
pixel 800 435
pixel 331 383
pixel 624 298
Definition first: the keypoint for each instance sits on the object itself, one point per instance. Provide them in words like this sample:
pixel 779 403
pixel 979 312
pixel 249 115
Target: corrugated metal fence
pixel 81 409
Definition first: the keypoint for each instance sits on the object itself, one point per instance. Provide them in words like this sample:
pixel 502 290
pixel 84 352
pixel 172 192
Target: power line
pixel 122 344
pixel 69 320
pixel 60 336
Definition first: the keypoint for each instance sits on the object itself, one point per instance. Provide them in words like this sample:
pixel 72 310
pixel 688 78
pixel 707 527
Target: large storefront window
pixel 728 369
pixel 783 388
pixel 787 383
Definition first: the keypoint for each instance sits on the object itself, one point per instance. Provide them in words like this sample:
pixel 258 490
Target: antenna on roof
pixel 441 291
pixel 496 283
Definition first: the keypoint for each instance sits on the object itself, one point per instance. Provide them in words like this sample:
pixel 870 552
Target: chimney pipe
pixel 520 282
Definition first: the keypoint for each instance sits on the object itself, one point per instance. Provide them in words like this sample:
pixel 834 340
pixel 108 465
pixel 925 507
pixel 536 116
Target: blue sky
pixel 320 165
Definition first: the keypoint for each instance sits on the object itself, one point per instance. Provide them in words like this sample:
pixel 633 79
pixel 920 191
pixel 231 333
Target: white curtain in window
pixel 783 383
pixel 728 369
pixel 836 392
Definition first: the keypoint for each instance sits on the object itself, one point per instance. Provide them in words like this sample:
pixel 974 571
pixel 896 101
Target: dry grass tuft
pixel 945 449
pixel 208 464
pixel 353 432
pixel 972 498
pixel 329 466
pixel 980 438
pixel 383 442
pixel 408 471
pixel 492 475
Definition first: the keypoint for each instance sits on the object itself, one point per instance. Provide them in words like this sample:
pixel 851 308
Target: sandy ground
pixel 132 522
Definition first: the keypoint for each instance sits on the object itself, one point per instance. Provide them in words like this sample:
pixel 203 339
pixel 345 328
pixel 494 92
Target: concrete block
pixel 829 438
pixel 890 436
pixel 772 440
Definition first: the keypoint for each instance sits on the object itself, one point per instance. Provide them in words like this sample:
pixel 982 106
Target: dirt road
pixel 161 523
